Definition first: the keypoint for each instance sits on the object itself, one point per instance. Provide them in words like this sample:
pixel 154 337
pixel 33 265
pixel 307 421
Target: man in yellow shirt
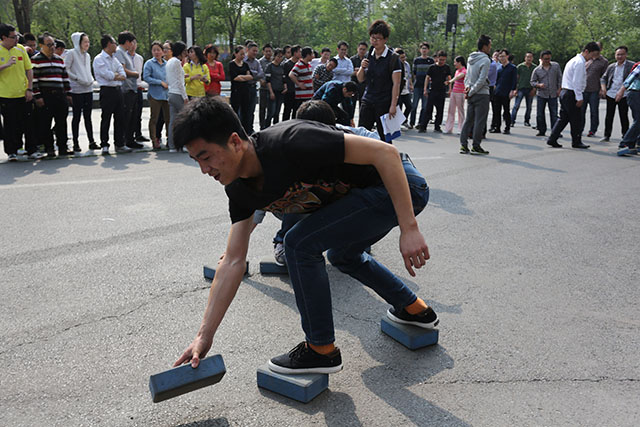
pixel 15 90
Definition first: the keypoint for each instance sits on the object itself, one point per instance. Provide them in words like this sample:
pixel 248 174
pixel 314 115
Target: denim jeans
pixel 526 94
pixel 632 136
pixel 541 123
pixel 592 100
pixel 273 112
pixel 417 97
pixel 344 229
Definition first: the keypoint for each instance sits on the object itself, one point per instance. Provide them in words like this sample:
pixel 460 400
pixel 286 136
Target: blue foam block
pixel 209 272
pixel 412 337
pixel 302 388
pixel 184 379
pixel 270 267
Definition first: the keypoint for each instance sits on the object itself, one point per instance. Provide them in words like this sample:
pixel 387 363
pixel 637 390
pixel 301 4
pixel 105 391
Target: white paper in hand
pixel 391 125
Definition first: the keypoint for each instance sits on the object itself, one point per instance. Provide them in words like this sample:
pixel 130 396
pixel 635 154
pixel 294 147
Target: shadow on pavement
pixel 448 201
pixel 211 422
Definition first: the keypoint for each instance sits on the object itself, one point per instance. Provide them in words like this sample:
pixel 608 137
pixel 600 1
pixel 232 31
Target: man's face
pixel 403 57
pixel 342 51
pixel 31 44
pixel 11 40
pixel 166 49
pixel 325 57
pixel 47 47
pixel 362 50
pixel 127 45
pixel 424 51
pixel 593 55
pixel 297 55
pixel 496 56
pixel 377 41
pixel 528 58
pixel 219 162
pixel 134 46
pixel 621 56
pixel 331 66
pixel 267 52
pixel 59 51
pixel 441 60
pixel 252 52
pixel 503 58
pixel 111 48
pixel 546 60
pixel 278 59
pixel 346 93
pixel 287 53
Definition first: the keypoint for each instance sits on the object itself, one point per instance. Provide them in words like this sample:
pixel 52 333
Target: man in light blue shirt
pixel 632 87
pixel 344 70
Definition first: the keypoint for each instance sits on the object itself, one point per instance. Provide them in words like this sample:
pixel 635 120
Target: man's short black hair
pixel 483 41
pixel 505 51
pixel 334 60
pixel 105 40
pixel 177 48
pixel 379 27
pixel 399 51
pixel 326 49
pixel 60 43
pixel 545 52
pixel 247 42
pixel 252 44
pixel 363 43
pixel 277 52
pixel 295 48
pixel 6 29
pixel 623 47
pixel 306 51
pixel 29 37
pixel 286 46
pixel 343 43
pixel 441 53
pixel 425 44
pixel 528 53
pixel 43 36
pixel 125 36
pixel 209 118
pixel 317 111
pixel 351 86
pixel 592 47
pixel 268 45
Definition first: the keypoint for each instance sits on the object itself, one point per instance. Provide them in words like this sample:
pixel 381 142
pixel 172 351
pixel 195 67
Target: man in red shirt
pixel 301 77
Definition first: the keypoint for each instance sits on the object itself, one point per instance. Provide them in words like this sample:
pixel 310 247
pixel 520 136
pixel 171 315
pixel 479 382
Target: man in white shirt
pixel 574 81
pixel 344 70
pixel 110 75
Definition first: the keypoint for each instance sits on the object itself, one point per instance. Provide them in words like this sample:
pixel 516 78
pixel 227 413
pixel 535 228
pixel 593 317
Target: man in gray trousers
pixel 476 88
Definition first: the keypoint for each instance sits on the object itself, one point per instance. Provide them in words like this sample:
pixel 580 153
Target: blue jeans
pixel 526 94
pixel 417 97
pixel 632 136
pixel 344 229
pixel 273 112
pixel 591 99
pixel 541 123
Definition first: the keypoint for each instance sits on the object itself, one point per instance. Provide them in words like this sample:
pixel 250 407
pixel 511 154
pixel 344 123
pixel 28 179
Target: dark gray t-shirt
pixel 275 75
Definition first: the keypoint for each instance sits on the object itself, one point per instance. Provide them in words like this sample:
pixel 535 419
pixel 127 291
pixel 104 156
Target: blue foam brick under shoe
pixel 184 379
pixel 303 387
pixel 209 272
pixel 270 267
pixel 412 337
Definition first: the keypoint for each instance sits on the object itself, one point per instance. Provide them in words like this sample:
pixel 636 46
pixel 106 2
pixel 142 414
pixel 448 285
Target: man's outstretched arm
pixel 223 289
pixel 385 158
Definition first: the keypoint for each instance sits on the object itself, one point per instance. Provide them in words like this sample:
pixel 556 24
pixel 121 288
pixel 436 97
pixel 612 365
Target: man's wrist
pixel 29 90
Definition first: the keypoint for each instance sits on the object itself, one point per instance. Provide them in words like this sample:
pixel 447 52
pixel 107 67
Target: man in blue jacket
pixel 505 90
pixel 335 92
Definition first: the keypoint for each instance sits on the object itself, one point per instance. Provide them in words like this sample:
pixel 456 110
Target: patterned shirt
pixel 321 75
pixel 302 72
pixel 632 82
pixel 49 74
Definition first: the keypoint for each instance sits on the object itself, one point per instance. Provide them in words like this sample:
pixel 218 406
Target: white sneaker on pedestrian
pixel 173 150
pixel 278 253
pixel 36 156
pixel 21 151
pixel 105 151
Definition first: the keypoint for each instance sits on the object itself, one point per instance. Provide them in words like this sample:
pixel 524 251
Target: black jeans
pixel 241 104
pixel 342 117
pixel 405 100
pixel 129 115
pixel 569 113
pixel 434 99
pixel 370 113
pixel 500 105
pixel 14 118
pixel 111 104
pixel 55 108
pixel 289 104
pixel 623 111
pixel 263 108
pixel 82 105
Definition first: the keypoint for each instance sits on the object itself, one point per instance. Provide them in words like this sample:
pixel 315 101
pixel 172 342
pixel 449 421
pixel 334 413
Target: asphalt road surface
pixel 534 273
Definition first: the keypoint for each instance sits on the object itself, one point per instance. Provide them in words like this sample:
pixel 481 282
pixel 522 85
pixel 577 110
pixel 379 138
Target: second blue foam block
pixel 184 379
pixel 302 388
pixel 412 337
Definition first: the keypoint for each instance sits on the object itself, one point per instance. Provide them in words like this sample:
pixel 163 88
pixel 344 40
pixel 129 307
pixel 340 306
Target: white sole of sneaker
pixel 418 324
pixel 289 371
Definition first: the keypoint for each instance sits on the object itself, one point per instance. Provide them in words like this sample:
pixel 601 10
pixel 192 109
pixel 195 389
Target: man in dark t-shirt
pixel 356 190
pixel 421 65
pixel 382 71
pixel 435 89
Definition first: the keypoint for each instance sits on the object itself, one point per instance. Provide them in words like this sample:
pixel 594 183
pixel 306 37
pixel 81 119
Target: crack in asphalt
pixel 532 380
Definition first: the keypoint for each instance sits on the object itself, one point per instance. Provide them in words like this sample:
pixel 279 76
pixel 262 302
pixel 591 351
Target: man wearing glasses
pixel 15 90
pixel 382 71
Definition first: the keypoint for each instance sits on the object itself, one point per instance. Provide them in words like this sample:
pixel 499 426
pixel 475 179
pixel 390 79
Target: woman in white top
pixel 78 64
pixel 175 81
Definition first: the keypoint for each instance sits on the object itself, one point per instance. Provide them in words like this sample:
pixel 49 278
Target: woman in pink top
pixel 456 96
pixel 216 70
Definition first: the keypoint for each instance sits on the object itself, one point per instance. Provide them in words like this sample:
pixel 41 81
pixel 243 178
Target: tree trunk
pixel 22 10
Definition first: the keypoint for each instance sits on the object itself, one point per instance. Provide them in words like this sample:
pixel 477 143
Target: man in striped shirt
pixel 301 77
pixel 51 92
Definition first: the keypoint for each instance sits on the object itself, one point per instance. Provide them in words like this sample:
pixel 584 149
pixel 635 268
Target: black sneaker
pixel 303 360
pixel 428 319
pixel 506 131
pixel 479 150
pixel 94 146
pixel 527 124
pixel 464 150
pixel 135 145
pixel 438 130
pixel 142 138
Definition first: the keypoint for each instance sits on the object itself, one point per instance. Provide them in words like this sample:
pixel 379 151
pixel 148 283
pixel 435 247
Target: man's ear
pixel 235 141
